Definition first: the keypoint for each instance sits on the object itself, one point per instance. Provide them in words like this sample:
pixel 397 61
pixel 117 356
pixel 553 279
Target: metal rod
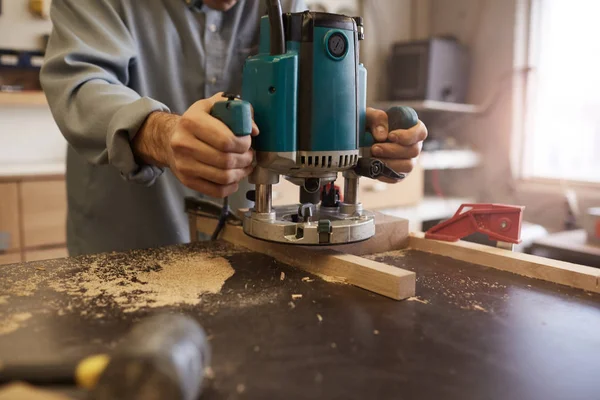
pixel 263 198
pixel 351 190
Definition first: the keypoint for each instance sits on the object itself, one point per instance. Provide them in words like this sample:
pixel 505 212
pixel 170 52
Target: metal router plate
pixel 279 227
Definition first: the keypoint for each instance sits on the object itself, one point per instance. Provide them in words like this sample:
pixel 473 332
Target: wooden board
pixel 9 214
pixel 377 277
pixel 46 254
pixel 573 275
pixel 44 213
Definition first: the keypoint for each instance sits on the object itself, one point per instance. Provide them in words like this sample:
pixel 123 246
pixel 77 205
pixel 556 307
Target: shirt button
pixel 212 80
pixel 212 28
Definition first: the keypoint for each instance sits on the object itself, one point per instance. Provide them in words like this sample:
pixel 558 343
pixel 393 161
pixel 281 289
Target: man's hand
pixel 405 146
pixel 199 149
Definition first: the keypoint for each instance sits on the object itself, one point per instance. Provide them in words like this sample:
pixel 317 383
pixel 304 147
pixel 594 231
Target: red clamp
pixel 498 221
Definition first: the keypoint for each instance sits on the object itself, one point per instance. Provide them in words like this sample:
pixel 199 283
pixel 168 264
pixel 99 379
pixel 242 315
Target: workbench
pixel 571 246
pixel 471 332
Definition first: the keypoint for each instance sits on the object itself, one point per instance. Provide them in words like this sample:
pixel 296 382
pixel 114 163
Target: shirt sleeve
pixel 85 78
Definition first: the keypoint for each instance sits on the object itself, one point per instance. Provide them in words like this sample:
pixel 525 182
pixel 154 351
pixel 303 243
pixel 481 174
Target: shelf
pixel 449 159
pixel 23 99
pixel 431 105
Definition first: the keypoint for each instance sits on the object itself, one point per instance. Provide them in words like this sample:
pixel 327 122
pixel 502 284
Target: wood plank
pixel 10 258
pixel 9 214
pixel 561 272
pixel 330 264
pixel 46 254
pixel 44 213
pixel 391 233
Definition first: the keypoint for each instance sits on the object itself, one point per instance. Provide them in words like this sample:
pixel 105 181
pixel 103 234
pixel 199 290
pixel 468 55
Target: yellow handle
pixel 89 370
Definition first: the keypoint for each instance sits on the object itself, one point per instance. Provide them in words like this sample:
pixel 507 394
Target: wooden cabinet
pixel 44 213
pixel 48 254
pixel 10 258
pixel 33 216
pixel 10 232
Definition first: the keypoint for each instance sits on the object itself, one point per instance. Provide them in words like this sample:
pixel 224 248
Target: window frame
pixel 527 31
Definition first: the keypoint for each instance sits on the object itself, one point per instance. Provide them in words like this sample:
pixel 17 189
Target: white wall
pixel 29 135
pixel 19 29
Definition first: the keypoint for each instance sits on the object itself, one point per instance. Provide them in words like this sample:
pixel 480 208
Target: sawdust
pixel 25 288
pixel 296 296
pixel 479 308
pixel 4 299
pixel 13 322
pixel 418 300
pixel 392 253
pixel 173 279
pixel 331 279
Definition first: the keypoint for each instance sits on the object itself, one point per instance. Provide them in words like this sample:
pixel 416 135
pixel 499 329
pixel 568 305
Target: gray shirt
pixel 109 64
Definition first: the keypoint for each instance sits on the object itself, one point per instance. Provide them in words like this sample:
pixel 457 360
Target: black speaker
pixel 434 69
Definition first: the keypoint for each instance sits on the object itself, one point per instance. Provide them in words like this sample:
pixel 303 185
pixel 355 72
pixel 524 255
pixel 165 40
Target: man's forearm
pixel 151 143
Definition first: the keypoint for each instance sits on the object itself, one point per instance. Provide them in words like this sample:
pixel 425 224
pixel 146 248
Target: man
pixel 123 79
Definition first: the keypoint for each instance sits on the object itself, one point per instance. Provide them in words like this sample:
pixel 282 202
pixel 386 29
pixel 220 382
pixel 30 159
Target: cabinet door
pixel 44 213
pixel 47 254
pixel 10 258
pixel 10 234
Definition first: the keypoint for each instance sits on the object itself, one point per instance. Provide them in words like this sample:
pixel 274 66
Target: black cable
pixel 222 219
pixel 276 23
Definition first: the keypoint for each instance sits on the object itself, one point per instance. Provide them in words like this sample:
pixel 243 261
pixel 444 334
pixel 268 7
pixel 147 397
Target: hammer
pixel 163 357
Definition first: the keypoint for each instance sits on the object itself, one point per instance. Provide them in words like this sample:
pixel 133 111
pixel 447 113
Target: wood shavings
pixel 292 305
pixel 319 317
pixel 40 268
pixel 176 279
pixel 417 300
pixel 375 332
pixel 209 373
pixel 282 276
pixel 307 279
pixel 240 388
pixel 479 308
pixel 13 322
pixel 296 296
pixel 393 253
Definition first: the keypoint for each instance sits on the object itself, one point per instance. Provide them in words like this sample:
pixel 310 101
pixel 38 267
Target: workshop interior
pixel 474 269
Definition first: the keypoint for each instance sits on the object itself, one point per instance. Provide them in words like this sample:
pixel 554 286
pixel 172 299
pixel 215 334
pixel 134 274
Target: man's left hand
pixel 399 149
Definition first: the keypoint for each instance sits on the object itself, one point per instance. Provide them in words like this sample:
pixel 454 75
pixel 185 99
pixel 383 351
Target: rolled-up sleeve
pixel 85 78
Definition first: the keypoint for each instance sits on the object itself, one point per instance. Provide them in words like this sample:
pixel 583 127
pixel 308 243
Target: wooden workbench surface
pixel 471 333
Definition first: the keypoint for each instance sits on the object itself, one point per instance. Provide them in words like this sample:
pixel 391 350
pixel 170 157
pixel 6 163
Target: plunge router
pixel 307 89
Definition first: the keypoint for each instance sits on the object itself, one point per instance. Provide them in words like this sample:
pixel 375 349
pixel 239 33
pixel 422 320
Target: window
pixel 562 127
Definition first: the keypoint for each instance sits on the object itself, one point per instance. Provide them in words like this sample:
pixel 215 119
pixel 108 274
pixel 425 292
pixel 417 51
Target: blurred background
pixel 509 90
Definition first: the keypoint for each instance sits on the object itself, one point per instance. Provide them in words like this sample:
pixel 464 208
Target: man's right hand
pixel 199 149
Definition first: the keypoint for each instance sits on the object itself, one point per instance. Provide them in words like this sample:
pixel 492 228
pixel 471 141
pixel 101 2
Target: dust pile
pixel 173 278
pixel 12 322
